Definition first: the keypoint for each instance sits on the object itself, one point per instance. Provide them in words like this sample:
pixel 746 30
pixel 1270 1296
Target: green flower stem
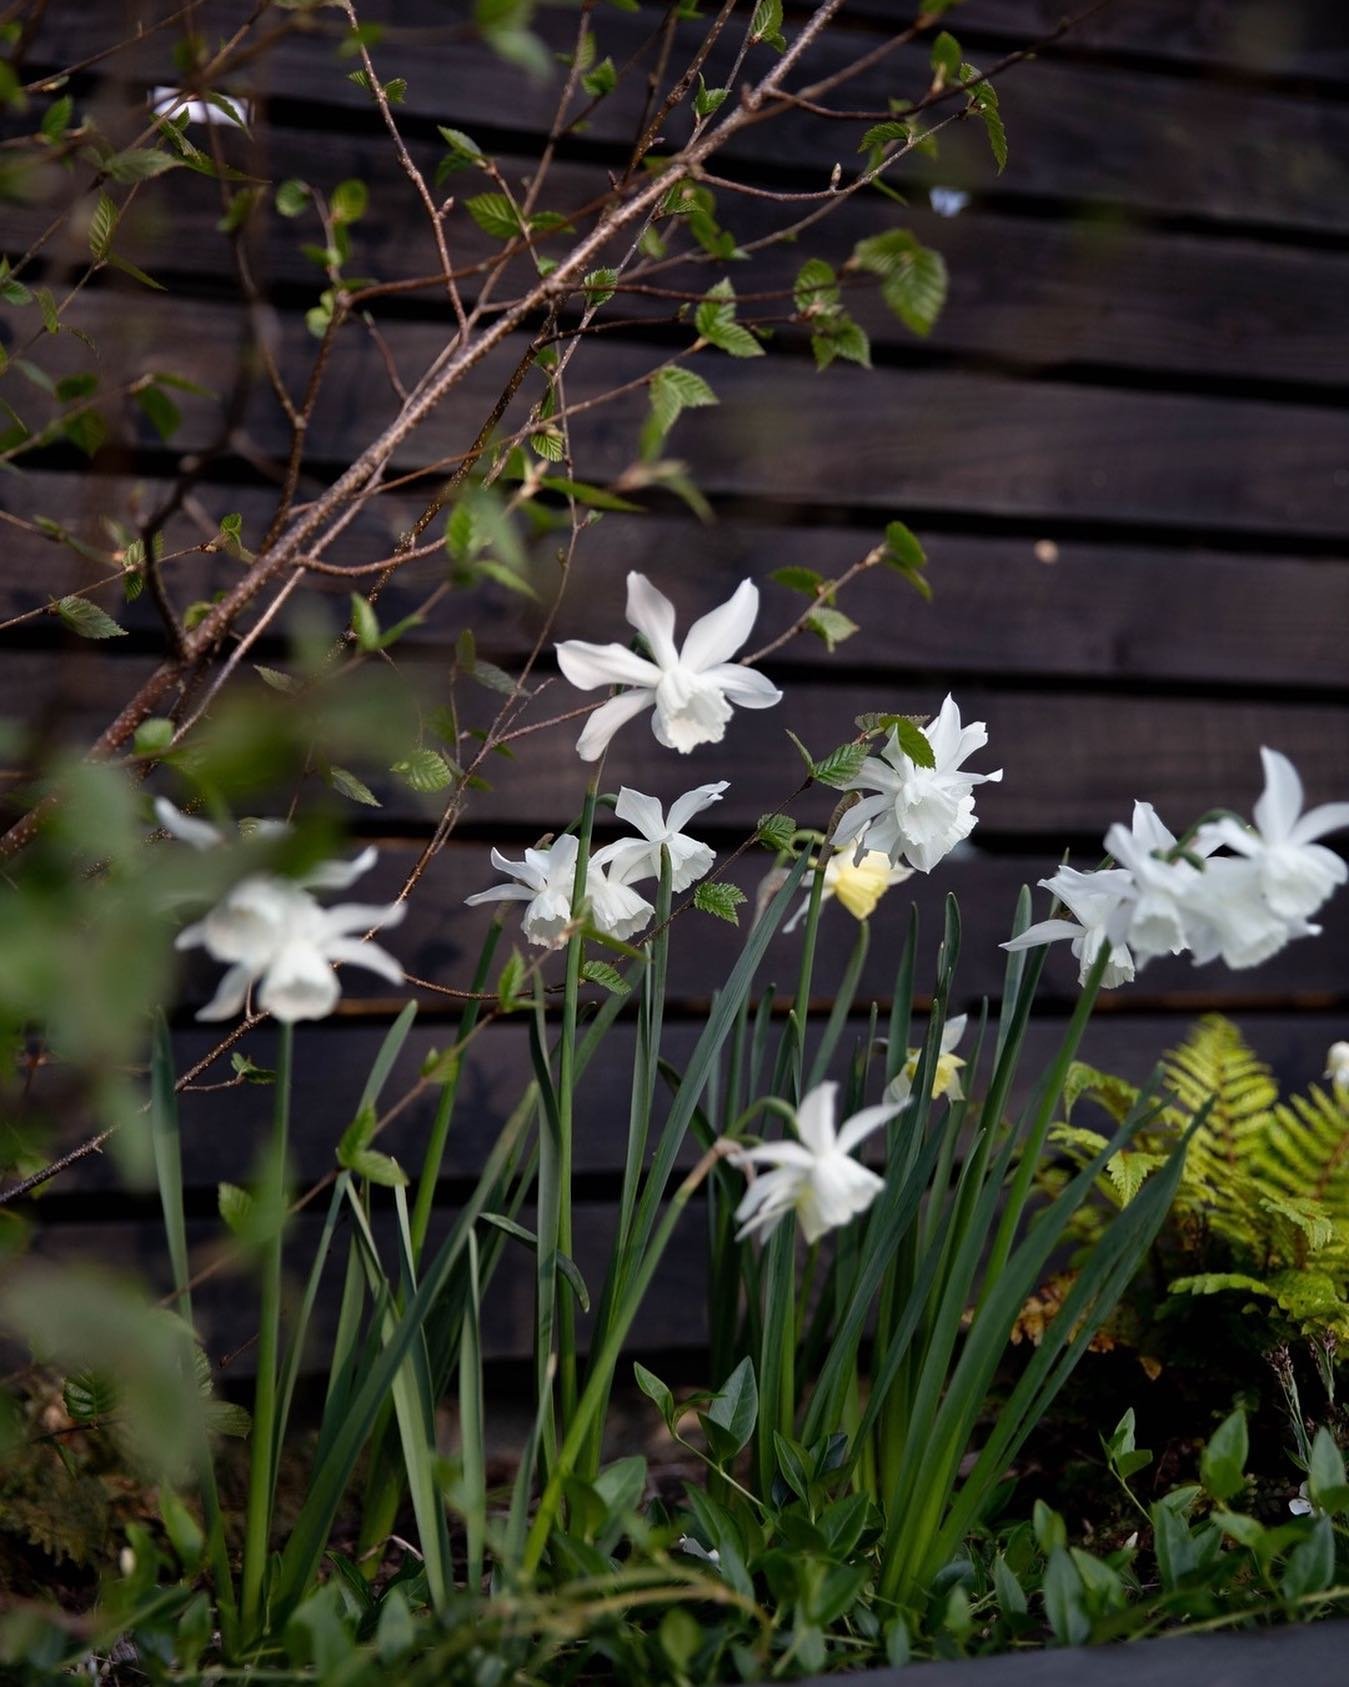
pixel 566 1083
pixel 440 1128
pixel 261 1473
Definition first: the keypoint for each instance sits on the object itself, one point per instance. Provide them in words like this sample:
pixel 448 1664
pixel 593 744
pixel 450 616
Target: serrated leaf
pixel 349 200
pixel 883 133
pixel 599 286
pixel 776 830
pixel 766 24
pixel 424 771
pixel 719 899
pixel 278 681
pixel 902 547
pixel 87 619
pixel 672 391
pixel 910 738
pixel 815 287
pixel 461 145
pixel 139 164
pixel 102 226
pixel 56 118
pixel 378 1168
pixel 916 290
pixel 343 780
pixel 494 215
pixel 945 56
pixel 609 978
pixel 602 80
pixel 984 99
pixel 88 1395
pixel 493 678
pixel 707 100
pixel 840 766
pixel 831 625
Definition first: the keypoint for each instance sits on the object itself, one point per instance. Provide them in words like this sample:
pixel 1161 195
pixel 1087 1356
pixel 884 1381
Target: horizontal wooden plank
pixel 1045 293
pixel 1304 40
pixel 673 1316
pixel 1104 134
pixel 224 1129
pixel 1059 608
pixel 954 442
pixel 1074 762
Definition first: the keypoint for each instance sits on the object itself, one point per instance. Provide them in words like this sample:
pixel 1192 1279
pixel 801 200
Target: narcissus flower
pixel 639 858
pixel 692 688
pixel 918 814
pixel 1296 874
pixel 1159 911
pixel 545 880
pixel 815 1177
pixel 324 875
pixel 858 884
pixel 1101 904
pixel 1337 1065
pixel 272 931
pixel 945 1080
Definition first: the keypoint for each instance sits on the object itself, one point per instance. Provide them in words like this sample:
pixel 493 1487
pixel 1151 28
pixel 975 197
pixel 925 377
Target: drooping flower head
pixel 918 814
pixel 1102 906
pixel 639 858
pixel 546 879
pixel 691 687
pixel 816 1177
pixel 858 885
pixel 272 932
pixel 946 1079
pixel 1296 874
pixel 1337 1066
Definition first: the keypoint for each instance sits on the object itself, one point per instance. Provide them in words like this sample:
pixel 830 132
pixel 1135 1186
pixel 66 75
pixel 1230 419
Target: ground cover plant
pixel 916 1228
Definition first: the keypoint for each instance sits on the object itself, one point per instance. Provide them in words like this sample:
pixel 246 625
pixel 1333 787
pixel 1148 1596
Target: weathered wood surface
pixel 1125 611
pixel 1124 446
pixel 917 440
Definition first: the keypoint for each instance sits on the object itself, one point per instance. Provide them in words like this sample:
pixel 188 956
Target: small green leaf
pixel 799 579
pixel 278 681
pixel 87 619
pixel 153 736
pixel 56 118
pixel 88 1396
pixel 510 981
pixel 707 100
pixel 163 414
pixel 236 1207
pixel 494 215
pixel 102 226
pixel 946 56
pixel 602 80
pixel 364 623
pixel 424 771
pixel 1325 1472
pixel 776 831
pixel 599 286
pixel 138 164
pixel 654 1389
pixel 600 972
pixel 293 197
pixel 735 1407
pixel 984 100
pixel 349 201
pixel 841 766
pixel 722 900
pixel 766 24
pixel 343 780
pixel 831 625
pixel 1222 1464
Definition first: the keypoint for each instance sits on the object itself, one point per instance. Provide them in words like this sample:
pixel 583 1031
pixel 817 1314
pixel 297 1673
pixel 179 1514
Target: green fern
pixel 1263 1204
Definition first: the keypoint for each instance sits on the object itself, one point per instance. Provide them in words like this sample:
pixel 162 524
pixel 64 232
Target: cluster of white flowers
pixel 1164 899
pixel 917 814
pixel 546 878
pixel 272 932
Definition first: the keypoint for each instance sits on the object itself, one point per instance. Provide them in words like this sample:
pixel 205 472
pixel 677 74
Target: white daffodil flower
pixel 691 688
pixel 546 879
pixel 945 1080
pixel 1337 1065
pixel 272 930
pixel 918 814
pixel 1228 914
pixel 639 858
pixel 1297 874
pixel 816 1177
pixel 1102 905
pixel 857 884
pixel 1162 913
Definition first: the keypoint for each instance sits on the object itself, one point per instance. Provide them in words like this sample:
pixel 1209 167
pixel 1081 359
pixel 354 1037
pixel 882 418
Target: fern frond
pixel 1306 1150
pixel 1216 1061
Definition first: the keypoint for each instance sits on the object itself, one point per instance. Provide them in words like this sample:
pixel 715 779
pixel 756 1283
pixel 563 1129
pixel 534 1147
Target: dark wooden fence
pixel 1125 447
